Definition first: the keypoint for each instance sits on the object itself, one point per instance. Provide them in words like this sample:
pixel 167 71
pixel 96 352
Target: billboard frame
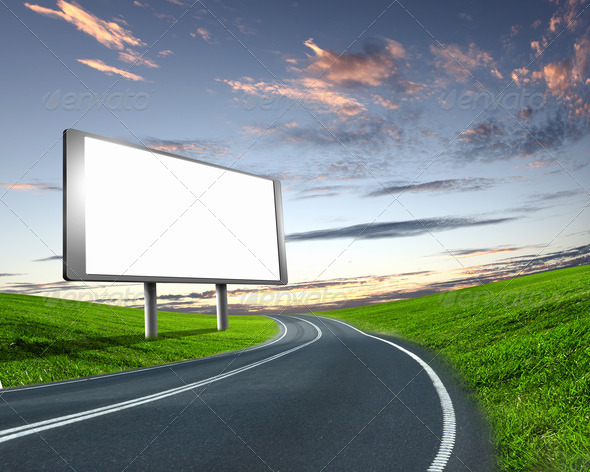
pixel 74 251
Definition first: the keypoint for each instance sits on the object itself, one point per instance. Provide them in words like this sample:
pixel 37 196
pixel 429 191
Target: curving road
pixel 321 396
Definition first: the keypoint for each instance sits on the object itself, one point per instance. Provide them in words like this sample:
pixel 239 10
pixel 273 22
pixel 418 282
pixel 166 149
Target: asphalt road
pixel 321 396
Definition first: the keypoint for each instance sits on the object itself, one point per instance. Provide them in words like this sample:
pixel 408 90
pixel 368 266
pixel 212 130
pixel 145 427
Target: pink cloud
pixel 203 33
pixel 40 186
pixel 567 80
pixel 554 23
pixel 110 70
pixel 350 68
pixel 134 57
pixel 460 63
pixel 520 76
pixel 311 91
pixel 481 131
pixel 557 75
pixel 384 102
pixel 566 16
pixel 496 73
pixel 539 164
pixel 108 33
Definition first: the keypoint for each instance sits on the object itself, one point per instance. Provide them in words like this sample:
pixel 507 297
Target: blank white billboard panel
pixel 146 215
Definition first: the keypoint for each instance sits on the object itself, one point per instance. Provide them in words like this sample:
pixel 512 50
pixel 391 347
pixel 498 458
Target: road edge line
pixel 447 442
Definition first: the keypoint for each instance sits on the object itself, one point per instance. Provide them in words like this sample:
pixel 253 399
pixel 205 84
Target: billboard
pixel 133 214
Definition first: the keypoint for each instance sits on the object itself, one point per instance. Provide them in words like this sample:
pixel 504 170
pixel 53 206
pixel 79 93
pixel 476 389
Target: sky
pixel 422 146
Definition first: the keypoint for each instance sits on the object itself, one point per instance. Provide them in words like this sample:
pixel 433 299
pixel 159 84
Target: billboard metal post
pixel 222 321
pixel 151 310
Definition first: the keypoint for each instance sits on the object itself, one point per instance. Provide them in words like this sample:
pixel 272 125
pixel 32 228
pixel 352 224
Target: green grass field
pixel 47 339
pixel 523 347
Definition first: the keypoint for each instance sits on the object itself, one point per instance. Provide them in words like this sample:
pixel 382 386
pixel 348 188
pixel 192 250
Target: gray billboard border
pixel 74 250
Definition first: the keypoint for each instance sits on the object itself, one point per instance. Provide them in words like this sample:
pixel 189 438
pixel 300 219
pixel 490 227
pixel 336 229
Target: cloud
pixel 480 252
pixel 6 274
pixel 110 70
pixel 384 102
pixel 368 130
pixel 165 16
pixel 243 27
pixel 325 81
pixel 459 63
pixel 493 140
pixel 50 258
pixel 207 295
pixel 557 75
pixel 108 33
pixel 556 195
pixel 136 58
pixel 315 94
pixel 395 229
pixel 317 294
pixel 461 185
pixel 540 163
pixel 59 286
pixel 199 148
pixel 570 257
pixel 203 33
pixel 567 79
pixel 511 267
pixel 482 132
pixel 317 192
pixel 567 16
pixel 520 76
pixel 38 186
pixel 165 52
pixel 496 73
pixel 371 67
pixel 370 289
pixel 525 114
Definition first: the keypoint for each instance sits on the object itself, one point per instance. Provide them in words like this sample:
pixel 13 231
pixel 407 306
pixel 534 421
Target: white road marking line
pixel 447 442
pixel 33 428
pixel 143 369
pixel 253 348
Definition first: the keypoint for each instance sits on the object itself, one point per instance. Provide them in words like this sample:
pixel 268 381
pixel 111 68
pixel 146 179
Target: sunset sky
pixel 422 145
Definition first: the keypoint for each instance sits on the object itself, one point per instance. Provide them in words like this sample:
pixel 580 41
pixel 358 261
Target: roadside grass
pixel 49 339
pixel 523 347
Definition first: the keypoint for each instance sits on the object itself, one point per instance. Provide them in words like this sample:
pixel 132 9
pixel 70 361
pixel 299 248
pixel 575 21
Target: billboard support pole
pixel 151 310
pixel 222 321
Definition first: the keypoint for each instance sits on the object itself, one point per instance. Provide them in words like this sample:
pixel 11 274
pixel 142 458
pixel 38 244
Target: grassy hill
pixel 523 347
pixel 48 339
